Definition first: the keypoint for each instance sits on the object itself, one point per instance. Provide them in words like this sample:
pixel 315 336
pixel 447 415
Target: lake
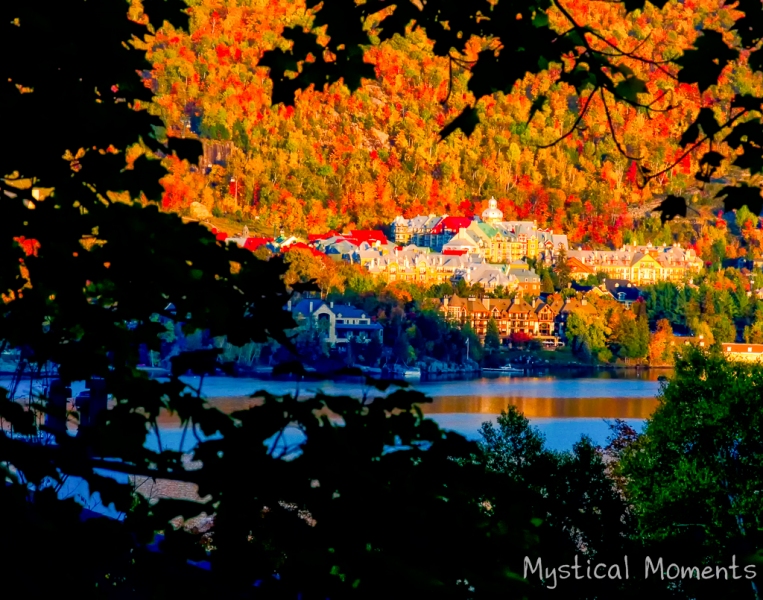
pixel 563 406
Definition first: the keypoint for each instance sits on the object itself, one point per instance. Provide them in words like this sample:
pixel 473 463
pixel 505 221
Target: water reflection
pixel 586 408
pixel 606 408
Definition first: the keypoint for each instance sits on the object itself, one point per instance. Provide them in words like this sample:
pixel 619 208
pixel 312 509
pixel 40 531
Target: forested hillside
pixel 338 159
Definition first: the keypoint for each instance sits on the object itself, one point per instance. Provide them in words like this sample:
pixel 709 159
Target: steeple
pixel 492 214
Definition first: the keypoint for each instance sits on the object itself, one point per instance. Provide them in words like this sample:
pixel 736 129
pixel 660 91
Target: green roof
pixel 488 230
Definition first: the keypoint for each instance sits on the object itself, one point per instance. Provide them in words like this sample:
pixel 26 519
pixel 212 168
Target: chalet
pixel 489 277
pixel 535 318
pixel 572 305
pixel 743 352
pixel 528 281
pixel 641 265
pixel 338 323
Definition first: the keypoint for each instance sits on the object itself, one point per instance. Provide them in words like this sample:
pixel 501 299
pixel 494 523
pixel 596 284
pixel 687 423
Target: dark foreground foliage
pixel 378 502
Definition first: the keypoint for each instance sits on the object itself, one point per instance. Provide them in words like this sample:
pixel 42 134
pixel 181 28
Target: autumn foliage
pixel 337 159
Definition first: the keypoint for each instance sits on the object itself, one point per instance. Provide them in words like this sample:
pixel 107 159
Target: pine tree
pixel 562 270
pixel 493 335
pixel 546 283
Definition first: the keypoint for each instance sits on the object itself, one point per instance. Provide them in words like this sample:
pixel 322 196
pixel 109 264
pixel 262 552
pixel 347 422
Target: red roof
pixel 370 236
pixel 320 236
pixel 303 246
pixel 454 252
pixel 222 236
pixel 451 224
pixel 253 243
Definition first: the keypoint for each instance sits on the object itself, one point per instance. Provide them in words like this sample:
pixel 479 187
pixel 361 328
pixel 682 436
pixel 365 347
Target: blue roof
pixel 618 286
pixel 303 306
pixel 347 311
pixel 367 326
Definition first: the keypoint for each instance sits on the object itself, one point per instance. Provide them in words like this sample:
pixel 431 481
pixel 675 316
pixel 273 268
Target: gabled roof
pixel 573 304
pixel 524 275
pixel 253 243
pixel 368 235
pixel 345 311
pixel 488 230
pixel 452 224
pixel 618 286
pixel 320 236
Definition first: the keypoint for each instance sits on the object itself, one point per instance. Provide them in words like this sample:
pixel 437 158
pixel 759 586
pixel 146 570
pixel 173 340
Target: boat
pixel 407 372
pixel 504 369
pixel 370 370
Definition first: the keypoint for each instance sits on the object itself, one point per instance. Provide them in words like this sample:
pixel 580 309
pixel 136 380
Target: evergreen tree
pixel 492 335
pixel 562 270
pixel 546 283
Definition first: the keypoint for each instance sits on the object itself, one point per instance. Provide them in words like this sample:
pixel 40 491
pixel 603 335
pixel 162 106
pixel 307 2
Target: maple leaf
pixel 671 207
pixel 747 101
pixel 703 64
pixel 706 121
pixel 186 148
pixel 171 11
pixel 537 105
pixel 466 122
pixel 743 195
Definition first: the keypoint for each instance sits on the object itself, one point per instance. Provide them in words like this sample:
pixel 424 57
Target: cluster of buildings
pixel 334 323
pixel 641 265
pixel 542 318
pixel 491 237
pixel 484 250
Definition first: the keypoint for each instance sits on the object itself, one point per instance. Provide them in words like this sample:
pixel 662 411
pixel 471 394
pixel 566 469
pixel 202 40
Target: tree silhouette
pixel 89 264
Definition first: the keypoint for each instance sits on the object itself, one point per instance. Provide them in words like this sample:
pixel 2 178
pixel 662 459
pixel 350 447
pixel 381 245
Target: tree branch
pixel 575 125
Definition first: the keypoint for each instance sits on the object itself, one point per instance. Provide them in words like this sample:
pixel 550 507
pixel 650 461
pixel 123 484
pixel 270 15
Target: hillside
pixel 339 160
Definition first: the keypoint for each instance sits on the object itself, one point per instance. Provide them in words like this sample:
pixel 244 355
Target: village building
pixel 489 277
pixel 336 323
pixel 570 306
pixel 416 265
pixel 621 290
pixel 535 318
pixel 497 240
pixel 743 352
pixel 528 281
pixel 640 265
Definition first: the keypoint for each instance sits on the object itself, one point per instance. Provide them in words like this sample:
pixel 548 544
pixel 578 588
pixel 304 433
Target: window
pixel 728 348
